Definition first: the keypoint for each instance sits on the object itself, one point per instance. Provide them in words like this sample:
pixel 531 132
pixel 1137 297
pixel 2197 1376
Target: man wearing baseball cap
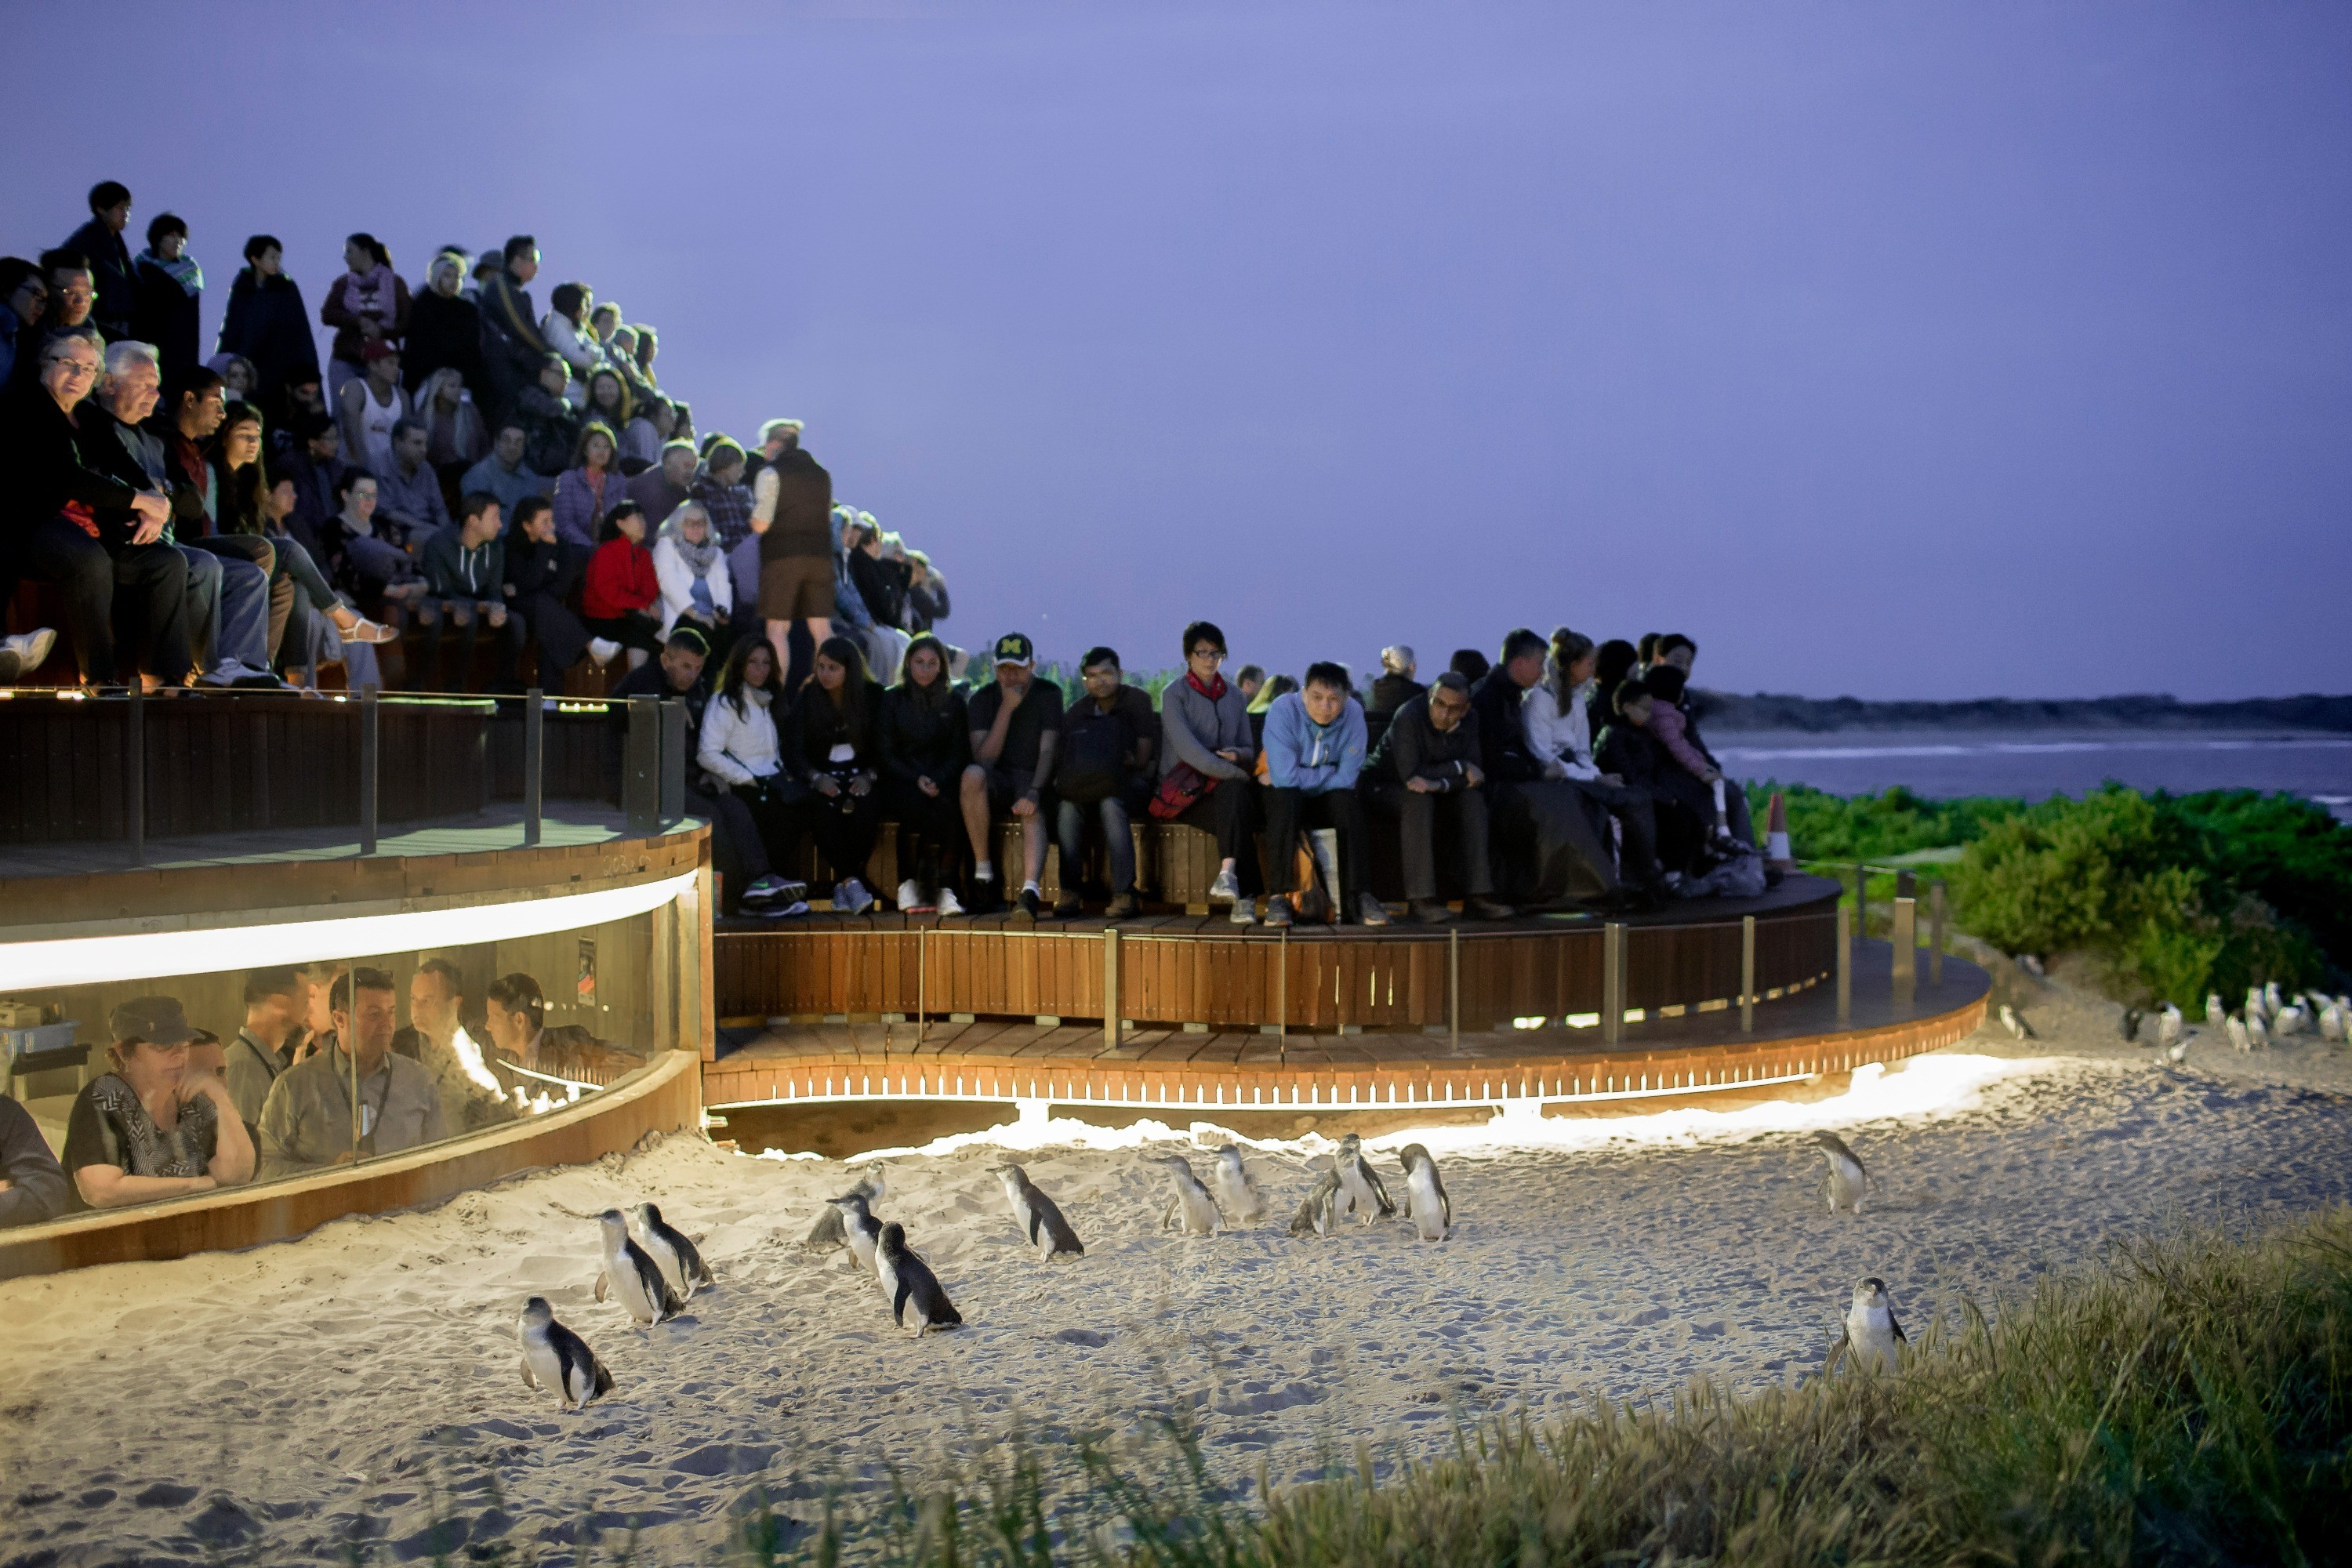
pixel 1015 722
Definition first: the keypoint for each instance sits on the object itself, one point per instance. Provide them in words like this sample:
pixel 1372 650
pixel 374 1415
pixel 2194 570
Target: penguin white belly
pixel 861 1246
pixel 630 1287
pixel 1846 1185
pixel 914 1319
pixel 1233 1193
pixel 1424 1208
pixel 1871 1332
pixel 1359 1193
pixel 666 1259
pixel 1200 1211
pixel 542 1366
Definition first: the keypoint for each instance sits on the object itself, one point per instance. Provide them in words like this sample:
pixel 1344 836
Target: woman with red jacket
pixel 619 589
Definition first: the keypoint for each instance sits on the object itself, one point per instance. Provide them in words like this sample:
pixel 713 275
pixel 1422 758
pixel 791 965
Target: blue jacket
pixel 1303 754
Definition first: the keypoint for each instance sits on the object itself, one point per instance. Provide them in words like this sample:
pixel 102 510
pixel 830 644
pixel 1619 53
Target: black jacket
pixel 268 323
pixel 924 742
pixel 534 568
pixel 882 588
pixel 443 333
pixel 1390 693
pixel 806 739
pixel 165 314
pixel 649 679
pixel 1502 732
pixel 1633 755
pixel 49 462
pixel 1413 747
pixel 109 272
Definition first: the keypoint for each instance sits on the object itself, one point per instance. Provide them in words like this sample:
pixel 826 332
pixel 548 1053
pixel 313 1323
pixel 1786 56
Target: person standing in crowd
pixel 168 295
pixel 154 1126
pixel 619 590
pixel 926 744
pixel 541 574
pixel 737 852
pixel 503 473
pixel 1395 685
pixel 1206 757
pixel 268 323
pixel 1016 722
pixel 307 1122
pixel 75 523
pixel 1555 712
pixel 274 1002
pixel 742 748
pixel 1102 762
pixel 830 750
pixel 32 1184
pixel 1550 840
pixel 726 499
pixel 696 590
pixel 512 349
pixel 791 511
pixel 588 490
pixel 1314 739
pixel 445 329
pixel 465 578
pixel 102 247
pixel 367 304
pixel 24 300
pixel 1427 765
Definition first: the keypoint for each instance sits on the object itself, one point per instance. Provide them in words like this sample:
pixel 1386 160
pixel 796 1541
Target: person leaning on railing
pixel 155 1127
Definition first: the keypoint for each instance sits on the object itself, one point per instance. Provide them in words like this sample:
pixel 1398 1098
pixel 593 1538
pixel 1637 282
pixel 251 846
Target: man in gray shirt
pixel 306 1123
pixel 274 1002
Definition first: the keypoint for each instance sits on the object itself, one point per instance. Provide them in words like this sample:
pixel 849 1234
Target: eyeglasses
pixel 1213 654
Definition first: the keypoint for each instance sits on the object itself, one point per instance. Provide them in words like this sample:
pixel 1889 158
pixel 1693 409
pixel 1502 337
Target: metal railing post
pixel 1612 983
pixel 534 764
pixel 1453 986
pixel 1861 899
pixel 1110 987
pixel 1282 994
pixel 1935 933
pixel 1845 965
pixel 1746 973
pixel 134 769
pixel 350 1048
pixel 370 772
pixel 1904 936
pixel 922 980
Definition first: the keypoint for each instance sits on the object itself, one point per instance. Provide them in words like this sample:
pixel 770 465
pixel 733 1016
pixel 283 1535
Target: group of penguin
pixel 652 1269
pixel 2267 1016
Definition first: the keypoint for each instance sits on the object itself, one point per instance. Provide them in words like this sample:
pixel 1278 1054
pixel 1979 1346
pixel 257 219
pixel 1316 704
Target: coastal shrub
pixel 1823 827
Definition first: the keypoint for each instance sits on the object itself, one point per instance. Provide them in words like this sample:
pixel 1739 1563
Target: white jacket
pixel 580 350
pixel 1562 742
pixel 677 581
pixel 740 749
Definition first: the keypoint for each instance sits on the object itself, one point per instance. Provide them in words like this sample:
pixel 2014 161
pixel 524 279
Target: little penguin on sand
pixel 1847 1178
pixel 828 1233
pixel 2168 1027
pixel 1872 1332
pixel 2014 1022
pixel 1191 1200
pixel 1039 1220
pixel 1232 1184
pixel 631 1274
pixel 861 1232
pixel 1319 1215
pixel 1426 1202
pixel 680 1259
pixel 2214 1013
pixel 1360 1184
pixel 917 1299
pixel 555 1357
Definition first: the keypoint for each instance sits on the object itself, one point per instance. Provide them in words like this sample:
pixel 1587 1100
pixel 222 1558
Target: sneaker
pixel 1277 911
pixel 1430 912
pixel 1370 911
pixel 987 899
pixel 225 673
pixel 31 648
pixel 781 911
pixel 1486 909
pixel 1245 911
pixel 602 649
pixel 1031 904
pixel 1125 907
pixel 948 903
pixel 850 897
pixel 1068 908
pixel 910 899
pixel 1226 889
pixel 765 890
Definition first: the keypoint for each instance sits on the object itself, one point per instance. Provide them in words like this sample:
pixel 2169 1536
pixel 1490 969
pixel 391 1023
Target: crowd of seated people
pixel 180 1110
pixel 242 520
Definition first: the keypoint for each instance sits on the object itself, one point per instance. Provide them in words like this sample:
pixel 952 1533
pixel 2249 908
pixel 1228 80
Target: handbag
pixel 1178 788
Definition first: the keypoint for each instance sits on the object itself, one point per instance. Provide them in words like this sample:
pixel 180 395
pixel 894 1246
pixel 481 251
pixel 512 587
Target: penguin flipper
pixel 1380 1192
pixel 1444 1202
pixel 899 1298
pixel 1896 1325
pixel 527 1381
pixel 690 1263
pixel 603 1285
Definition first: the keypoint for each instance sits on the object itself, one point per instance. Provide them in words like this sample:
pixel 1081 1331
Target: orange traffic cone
pixel 1776 836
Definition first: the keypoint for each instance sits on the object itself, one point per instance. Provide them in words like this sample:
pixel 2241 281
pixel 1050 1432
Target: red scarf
pixel 1213 694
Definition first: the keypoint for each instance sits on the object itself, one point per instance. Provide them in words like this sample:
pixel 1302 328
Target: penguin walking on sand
pixel 2235 1027
pixel 1360 1184
pixel 2255 1008
pixel 1190 1201
pixel 1232 1186
pixel 680 1259
pixel 1872 1330
pixel 2168 1027
pixel 1319 1215
pixel 2273 999
pixel 2128 1026
pixel 2290 1020
pixel 2178 1052
pixel 2258 1033
pixel 907 1283
pixel 861 1232
pixel 2216 1016
pixel 827 1232
pixel 632 1275
pixel 1847 1178
pixel 555 1357
pixel 1037 1216
pixel 2014 1022
pixel 2331 1022
pixel 1426 1202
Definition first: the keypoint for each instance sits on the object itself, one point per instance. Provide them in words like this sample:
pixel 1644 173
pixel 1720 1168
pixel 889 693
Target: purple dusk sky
pixel 1922 349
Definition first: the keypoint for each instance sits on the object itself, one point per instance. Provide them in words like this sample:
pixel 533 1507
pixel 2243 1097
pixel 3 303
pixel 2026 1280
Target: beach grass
pixel 2183 1401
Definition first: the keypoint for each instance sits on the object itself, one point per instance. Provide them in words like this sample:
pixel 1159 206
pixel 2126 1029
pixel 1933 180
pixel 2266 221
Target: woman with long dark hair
pixel 368 302
pixel 926 744
pixel 740 750
pixel 832 748
pixel 589 488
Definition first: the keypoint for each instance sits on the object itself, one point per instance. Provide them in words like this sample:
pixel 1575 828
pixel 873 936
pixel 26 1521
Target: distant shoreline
pixel 1726 712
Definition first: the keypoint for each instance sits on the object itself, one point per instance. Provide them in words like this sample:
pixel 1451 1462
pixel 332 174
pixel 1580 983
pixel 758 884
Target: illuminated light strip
pixel 143 955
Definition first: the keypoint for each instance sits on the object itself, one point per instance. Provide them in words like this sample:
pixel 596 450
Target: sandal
pixel 363 630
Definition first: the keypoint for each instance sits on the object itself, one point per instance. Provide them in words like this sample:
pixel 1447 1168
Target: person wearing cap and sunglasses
pixel 1016 723
pixel 157 1126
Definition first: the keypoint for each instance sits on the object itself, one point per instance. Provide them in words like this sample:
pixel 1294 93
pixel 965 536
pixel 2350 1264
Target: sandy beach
pixel 303 1401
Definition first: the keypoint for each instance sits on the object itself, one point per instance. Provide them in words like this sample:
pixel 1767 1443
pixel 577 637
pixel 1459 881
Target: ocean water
pixel 2034 764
